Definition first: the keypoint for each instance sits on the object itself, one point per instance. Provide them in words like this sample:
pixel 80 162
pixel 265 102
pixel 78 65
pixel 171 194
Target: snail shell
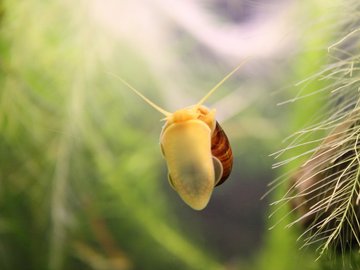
pixel 221 149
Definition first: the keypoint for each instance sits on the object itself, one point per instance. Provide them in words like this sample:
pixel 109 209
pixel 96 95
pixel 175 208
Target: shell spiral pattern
pixel 220 148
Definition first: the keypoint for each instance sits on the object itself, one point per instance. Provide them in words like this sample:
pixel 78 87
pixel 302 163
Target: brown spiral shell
pixel 220 148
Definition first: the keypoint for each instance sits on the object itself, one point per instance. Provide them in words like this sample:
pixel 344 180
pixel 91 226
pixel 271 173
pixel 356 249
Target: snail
pixel 195 147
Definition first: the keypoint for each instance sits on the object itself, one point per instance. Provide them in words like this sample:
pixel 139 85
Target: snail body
pixel 196 151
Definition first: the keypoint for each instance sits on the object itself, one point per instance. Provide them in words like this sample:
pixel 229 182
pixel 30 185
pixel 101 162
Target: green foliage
pixel 75 189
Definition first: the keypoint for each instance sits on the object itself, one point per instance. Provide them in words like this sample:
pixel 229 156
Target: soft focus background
pixel 82 181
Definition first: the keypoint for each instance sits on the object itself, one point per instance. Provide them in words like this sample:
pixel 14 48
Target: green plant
pixel 323 172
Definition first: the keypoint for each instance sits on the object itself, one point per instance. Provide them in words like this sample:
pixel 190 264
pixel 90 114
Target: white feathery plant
pixel 324 192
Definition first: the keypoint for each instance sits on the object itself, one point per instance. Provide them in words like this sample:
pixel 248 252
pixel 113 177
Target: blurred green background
pixel 82 181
